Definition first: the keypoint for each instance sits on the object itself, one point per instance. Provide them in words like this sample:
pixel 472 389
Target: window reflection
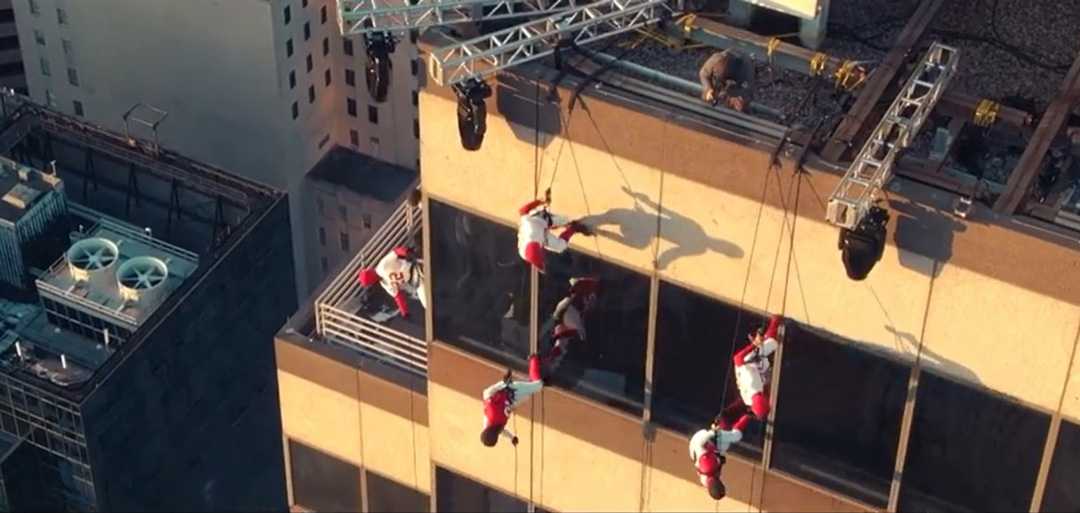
pixel 457 493
pixel 1062 490
pixel 838 415
pixel 692 374
pixel 970 450
pixel 609 364
pixel 480 287
pixel 387 496
pixel 322 482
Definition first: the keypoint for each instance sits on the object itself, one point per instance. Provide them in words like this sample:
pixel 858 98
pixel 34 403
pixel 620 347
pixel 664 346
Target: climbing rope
pixel 986 112
pixel 849 76
pixel 817 64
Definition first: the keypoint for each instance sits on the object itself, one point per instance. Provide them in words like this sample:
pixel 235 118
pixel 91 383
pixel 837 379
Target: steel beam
pixel 487 54
pixel 873 166
pixel 691 87
pixel 786 55
pixel 961 105
pixel 1051 124
pixel 366 16
pixel 884 74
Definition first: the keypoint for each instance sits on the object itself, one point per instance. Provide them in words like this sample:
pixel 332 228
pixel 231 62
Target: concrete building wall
pixel 222 71
pixel 189 420
pixel 363 215
pixel 964 294
pixel 331 403
pixel 11 72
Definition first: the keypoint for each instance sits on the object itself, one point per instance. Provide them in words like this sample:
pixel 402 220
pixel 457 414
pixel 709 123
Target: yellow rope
pixel 986 112
pixel 817 64
pixel 849 76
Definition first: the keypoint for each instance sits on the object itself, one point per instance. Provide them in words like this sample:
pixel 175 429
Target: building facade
pixel 139 377
pixel 263 88
pixel 11 63
pixel 944 381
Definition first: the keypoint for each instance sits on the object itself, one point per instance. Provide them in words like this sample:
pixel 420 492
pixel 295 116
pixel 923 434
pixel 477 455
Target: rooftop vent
pixel 89 261
pixel 140 279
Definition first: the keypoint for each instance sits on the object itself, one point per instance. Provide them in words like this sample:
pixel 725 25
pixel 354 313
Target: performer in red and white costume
pixel 400 273
pixel 752 368
pixel 707 450
pixel 569 319
pixel 501 398
pixel 534 232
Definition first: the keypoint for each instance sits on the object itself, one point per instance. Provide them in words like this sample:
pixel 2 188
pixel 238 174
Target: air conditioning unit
pixel 90 261
pixel 141 280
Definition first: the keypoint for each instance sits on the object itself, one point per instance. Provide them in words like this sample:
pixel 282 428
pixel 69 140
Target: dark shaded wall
pixel 190 422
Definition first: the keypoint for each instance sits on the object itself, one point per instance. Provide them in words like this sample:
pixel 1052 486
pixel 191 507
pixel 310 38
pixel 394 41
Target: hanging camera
pixel 472 112
pixel 379 46
pixel 863 246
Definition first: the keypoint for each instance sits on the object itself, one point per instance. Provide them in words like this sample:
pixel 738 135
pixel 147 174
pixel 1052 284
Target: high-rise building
pixel 135 370
pixel 11 63
pixel 945 380
pixel 263 88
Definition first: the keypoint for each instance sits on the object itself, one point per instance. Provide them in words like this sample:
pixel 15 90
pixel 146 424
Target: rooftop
pixel 121 256
pixel 363 175
pixel 20 187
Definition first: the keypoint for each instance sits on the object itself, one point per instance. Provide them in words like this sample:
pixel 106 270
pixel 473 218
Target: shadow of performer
pixel 636 228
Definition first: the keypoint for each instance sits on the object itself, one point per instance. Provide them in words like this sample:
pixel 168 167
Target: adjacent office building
pixel 11 62
pixel 134 365
pixel 944 381
pixel 263 88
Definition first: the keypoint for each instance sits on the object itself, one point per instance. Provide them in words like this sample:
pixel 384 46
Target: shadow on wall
pixel 924 231
pixel 517 100
pixel 636 228
pixel 907 343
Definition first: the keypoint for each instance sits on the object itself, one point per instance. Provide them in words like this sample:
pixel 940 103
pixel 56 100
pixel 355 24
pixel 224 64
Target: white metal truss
pixel 873 166
pixel 366 16
pixel 536 39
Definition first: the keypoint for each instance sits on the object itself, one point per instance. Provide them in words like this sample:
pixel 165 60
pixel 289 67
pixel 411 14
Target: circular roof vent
pixel 88 259
pixel 140 278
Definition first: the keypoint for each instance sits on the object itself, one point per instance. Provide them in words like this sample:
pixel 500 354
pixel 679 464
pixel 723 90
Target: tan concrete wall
pixel 343 410
pixel 583 456
pixel 979 289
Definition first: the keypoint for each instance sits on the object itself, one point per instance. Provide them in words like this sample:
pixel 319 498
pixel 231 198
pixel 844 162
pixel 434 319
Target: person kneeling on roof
pixel 501 398
pixel 534 232
pixel 399 272
pixel 720 81
pixel 752 368
pixel 708 448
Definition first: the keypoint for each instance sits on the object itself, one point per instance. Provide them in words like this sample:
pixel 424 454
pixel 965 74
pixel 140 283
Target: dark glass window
pixel 354 138
pixel 295 110
pixel 373 114
pixel 288 14
pixel 386 496
pixel 322 14
pixel 480 287
pixel 326 77
pixel 307 30
pixel 78 107
pixel 9 42
pixel 348 46
pixel 350 77
pixel 609 365
pixel 415 65
pixel 311 94
pixel 350 106
pixel 1063 484
pixel 288 48
pixel 292 79
pixel 415 98
pixel 838 415
pixel 310 63
pixel 458 493
pixel 692 371
pixel 322 482
pixel 416 128
pixel 970 450
pixel 326 46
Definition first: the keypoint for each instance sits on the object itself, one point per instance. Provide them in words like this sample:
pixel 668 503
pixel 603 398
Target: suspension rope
pixel 774 391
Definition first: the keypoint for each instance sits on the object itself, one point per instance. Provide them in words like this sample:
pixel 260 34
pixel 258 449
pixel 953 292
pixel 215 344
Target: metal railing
pixel 336 320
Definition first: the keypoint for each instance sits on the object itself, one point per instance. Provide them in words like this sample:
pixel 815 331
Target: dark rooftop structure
pixel 362 174
pixel 151 292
